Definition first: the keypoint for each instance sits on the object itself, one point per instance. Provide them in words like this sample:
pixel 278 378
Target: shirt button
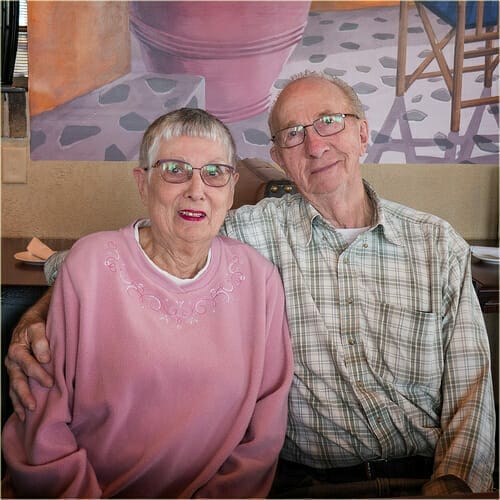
pixel 350 300
pixel 365 245
pixel 352 342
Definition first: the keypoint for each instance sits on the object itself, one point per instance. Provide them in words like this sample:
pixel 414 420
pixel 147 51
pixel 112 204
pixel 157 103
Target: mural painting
pixel 100 72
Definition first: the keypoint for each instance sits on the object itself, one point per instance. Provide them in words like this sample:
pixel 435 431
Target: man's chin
pixel 323 188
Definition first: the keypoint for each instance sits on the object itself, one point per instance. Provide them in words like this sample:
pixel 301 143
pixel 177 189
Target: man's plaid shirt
pixel 391 352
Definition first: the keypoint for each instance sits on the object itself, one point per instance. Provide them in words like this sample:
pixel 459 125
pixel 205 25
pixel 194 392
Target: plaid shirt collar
pixel 310 215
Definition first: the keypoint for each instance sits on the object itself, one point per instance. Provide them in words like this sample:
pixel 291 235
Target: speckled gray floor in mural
pixel 358 46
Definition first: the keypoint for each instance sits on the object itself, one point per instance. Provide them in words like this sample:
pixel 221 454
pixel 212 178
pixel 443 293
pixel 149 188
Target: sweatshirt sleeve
pixel 249 470
pixel 42 455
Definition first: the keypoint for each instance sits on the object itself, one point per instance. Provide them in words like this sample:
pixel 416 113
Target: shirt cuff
pixel 445 485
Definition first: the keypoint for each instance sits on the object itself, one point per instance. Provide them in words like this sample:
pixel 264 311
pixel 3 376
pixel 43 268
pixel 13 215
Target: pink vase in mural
pixel 239 47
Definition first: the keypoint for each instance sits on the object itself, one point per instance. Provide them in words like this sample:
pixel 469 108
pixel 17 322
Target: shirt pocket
pixel 405 348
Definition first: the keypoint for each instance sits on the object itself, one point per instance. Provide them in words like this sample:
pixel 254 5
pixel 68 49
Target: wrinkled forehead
pixel 304 100
pixel 186 145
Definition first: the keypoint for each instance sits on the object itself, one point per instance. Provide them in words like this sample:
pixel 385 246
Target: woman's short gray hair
pixel 192 122
pixel 357 106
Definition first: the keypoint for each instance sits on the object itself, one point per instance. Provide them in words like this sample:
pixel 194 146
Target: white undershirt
pixel 175 279
pixel 351 234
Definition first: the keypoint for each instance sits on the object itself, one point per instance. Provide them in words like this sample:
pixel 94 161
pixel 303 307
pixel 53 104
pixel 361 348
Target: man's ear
pixel 141 178
pixel 275 153
pixel 276 156
pixel 363 134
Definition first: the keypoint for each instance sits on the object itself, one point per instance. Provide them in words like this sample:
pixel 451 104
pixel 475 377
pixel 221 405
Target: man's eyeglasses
pixel 178 171
pixel 325 125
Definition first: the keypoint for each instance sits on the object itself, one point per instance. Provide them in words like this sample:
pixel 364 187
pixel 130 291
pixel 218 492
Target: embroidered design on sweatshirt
pixel 178 312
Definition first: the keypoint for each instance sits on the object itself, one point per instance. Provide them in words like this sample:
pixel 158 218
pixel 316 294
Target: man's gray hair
pixel 192 122
pixel 357 106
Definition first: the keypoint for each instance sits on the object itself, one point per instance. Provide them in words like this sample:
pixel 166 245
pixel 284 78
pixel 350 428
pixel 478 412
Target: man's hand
pixel 27 343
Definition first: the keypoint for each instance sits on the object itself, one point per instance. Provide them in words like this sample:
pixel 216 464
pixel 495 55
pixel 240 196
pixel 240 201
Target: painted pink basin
pixel 239 47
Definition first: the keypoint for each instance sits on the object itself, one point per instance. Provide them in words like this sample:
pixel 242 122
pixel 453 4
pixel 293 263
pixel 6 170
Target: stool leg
pixel 458 66
pixel 488 63
pixel 402 45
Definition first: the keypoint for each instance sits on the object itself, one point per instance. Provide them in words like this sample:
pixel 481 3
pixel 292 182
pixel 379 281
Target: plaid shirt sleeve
pixel 53 264
pixel 465 448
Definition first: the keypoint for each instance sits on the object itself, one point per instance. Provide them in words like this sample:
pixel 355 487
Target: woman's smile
pixel 192 215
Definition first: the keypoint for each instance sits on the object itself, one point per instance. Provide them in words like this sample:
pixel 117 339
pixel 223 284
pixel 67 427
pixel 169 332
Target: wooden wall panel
pixel 92 48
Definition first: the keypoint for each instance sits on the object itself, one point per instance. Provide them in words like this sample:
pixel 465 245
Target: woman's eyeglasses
pixel 178 171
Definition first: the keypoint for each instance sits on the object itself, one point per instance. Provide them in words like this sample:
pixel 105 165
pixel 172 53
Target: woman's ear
pixel 233 182
pixel 141 177
pixel 236 177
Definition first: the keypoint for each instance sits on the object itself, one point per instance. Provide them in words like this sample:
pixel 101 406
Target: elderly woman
pixel 172 359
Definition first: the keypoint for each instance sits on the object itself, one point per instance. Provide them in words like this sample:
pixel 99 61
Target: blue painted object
pixel 448 12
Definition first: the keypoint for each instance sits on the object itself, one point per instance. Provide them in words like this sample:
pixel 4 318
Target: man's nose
pixel 314 144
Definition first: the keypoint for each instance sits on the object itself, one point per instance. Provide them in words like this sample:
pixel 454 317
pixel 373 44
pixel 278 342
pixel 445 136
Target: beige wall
pixel 465 195
pixel 63 199
pixel 69 199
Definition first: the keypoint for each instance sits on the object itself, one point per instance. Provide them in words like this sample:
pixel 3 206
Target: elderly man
pixel 392 393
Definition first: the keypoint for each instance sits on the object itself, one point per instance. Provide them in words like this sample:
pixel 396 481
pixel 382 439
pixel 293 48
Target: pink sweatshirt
pixel 160 390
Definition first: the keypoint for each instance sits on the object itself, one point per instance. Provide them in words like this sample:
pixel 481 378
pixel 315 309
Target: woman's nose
pixel 195 187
